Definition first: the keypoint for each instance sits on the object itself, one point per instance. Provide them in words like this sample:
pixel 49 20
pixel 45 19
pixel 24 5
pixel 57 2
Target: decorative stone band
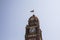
pixel 31 35
pixel 32 27
pixel 34 35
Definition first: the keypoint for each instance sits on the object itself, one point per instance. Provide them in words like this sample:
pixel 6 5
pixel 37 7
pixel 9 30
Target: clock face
pixel 32 30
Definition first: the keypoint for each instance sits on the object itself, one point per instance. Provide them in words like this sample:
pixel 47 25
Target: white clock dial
pixel 32 30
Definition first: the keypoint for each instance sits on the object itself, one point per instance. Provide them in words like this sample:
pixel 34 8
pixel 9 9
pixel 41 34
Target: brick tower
pixel 33 31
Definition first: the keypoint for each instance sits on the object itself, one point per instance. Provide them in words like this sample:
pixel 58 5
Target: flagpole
pixel 32 11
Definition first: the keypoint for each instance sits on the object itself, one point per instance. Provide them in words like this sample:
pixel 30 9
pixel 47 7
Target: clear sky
pixel 14 15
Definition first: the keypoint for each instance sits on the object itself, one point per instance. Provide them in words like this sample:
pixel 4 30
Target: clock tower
pixel 33 31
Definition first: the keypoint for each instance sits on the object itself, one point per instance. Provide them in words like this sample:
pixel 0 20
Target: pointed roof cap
pixel 33 17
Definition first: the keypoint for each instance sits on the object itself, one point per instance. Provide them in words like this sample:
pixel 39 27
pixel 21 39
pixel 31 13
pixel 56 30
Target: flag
pixel 32 11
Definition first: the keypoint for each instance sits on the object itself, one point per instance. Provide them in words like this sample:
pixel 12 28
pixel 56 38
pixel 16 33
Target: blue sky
pixel 14 17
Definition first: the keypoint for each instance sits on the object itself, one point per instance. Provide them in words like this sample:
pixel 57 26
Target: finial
pixel 33 15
